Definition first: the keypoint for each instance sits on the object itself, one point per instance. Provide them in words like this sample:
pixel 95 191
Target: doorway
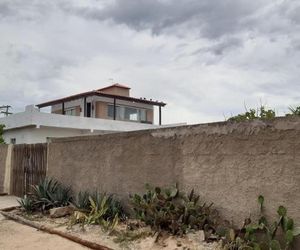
pixel 88 109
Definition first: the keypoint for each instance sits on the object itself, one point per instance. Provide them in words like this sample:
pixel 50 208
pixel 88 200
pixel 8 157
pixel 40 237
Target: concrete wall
pixel 228 164
pixel 41 134
pixel 3 154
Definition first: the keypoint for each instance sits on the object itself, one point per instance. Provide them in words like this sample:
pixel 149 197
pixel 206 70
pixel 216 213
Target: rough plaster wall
pixel 113 164
pixel 228 164
pixel 3 153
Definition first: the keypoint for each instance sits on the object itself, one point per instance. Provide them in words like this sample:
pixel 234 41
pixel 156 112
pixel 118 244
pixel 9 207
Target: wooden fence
pixel 29 164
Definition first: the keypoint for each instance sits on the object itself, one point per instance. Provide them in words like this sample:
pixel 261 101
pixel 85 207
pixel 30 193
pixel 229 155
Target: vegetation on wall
pixel 262 113
pixel 294 111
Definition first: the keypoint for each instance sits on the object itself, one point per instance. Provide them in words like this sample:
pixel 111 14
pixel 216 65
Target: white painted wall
pixel 37 135
pixel 63 121
pixel 33 126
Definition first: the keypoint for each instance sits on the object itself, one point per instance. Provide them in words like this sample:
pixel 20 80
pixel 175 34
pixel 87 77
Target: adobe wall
pixel 3 154
pixel 229 164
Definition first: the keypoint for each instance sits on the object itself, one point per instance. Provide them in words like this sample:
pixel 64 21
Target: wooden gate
pixel 29 163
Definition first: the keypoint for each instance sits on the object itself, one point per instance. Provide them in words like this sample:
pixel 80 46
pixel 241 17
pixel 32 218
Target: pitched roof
pixel 99 93
pixel 114 85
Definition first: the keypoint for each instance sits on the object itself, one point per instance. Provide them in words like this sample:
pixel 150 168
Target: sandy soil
pixel 8 201
pixel 17 236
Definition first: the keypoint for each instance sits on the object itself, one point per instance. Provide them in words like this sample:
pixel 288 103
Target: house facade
pixel 33 126
pixel 112 103
pixel 107 110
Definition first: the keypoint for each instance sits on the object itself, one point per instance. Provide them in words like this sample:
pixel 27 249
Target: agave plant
pixel 115 209
pixel 81 201
pixel 50 193
pixel 83 204
pixel 27 204
pixel 98 214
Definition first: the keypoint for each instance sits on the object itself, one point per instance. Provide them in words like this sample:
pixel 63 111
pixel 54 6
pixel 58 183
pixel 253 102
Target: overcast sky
pixel 205 58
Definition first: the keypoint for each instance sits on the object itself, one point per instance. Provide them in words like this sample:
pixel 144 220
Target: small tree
pixel 1 134
pixel 260 113
pixel 294 111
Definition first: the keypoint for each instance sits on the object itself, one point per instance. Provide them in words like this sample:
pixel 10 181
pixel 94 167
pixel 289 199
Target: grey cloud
pixel 36 66
pixel 5 9
pixel 211 19
pixel 26 10
pixel 219 48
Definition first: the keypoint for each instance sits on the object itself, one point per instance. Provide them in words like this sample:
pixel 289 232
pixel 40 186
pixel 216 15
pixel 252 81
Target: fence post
pixel 8 170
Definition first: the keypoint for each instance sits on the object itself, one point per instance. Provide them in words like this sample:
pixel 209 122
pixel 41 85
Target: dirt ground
pixel 16 236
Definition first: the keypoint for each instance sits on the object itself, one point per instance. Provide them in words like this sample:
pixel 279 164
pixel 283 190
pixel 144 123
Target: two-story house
pixel 106 110
pixel 113 102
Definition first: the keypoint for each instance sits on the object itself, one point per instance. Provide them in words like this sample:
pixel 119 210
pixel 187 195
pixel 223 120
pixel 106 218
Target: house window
pixel 131 114
pixel 110 111
pixel 127 113
pixel 119 112
pixel 13 140
pixel 143 116
pixel 70 111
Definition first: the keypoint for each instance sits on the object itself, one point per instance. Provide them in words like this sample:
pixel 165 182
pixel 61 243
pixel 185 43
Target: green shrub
pixel 261 113
pixel 97 208
pixel 173 211
pixel 27 203
pixel 50 193
pixel 262 234
pixel 115 208
pixel 294 111
pixel 83 203
pixel 97 214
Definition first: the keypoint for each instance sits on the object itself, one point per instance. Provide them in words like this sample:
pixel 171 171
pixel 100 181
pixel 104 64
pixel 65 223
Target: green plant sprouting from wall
pixel 262 113
pixel 252 114
pixel 294 111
